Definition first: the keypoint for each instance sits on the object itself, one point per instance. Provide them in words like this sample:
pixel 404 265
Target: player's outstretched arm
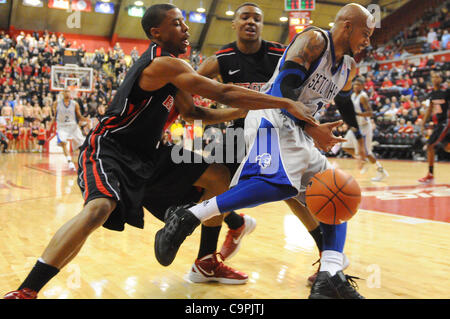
pixel 210 67
pixel 190 112
pixel 165 70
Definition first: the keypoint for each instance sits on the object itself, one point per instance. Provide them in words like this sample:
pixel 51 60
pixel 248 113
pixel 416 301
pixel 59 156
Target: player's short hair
pixel 360 80
pixel 154 15
pixel 245 4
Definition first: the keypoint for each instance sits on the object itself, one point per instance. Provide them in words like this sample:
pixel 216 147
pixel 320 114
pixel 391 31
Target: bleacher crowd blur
pixel 397 95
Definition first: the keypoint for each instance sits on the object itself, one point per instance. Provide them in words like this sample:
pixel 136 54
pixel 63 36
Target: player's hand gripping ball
pixel 333 196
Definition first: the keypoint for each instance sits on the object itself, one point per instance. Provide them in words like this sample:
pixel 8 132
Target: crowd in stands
pixel 397 95
pixel 431 31
pixel 399 100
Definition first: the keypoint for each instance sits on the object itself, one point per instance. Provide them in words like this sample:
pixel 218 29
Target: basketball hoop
pixel 69 76
pixel 74 91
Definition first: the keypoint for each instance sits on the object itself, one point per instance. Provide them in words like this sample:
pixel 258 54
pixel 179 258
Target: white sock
pixel 206 209
pixel 331 261
pixel 378 164
pixel 69 158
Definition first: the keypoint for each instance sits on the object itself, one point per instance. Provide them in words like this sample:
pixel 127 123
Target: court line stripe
pixel 402 216
pixel 34 198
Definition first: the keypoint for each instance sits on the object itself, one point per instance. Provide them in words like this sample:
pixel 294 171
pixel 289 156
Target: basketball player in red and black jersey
pixel 250 62
pixel 121 156
pixel 439 112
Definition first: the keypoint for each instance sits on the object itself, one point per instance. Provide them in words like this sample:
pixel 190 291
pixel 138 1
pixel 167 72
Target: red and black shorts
pixel 108 169
pixel 439 134
pixel 172 183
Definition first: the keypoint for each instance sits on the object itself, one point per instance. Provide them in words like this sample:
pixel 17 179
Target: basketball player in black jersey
pixel 121 155
pixel 439 112
pixel 250 62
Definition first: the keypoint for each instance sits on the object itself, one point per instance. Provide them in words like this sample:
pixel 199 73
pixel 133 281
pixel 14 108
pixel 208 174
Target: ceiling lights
pixel 229 11
pixel 200 8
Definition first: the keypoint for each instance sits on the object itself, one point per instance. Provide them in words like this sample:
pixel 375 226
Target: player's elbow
pixel 191 115
pixel 227 94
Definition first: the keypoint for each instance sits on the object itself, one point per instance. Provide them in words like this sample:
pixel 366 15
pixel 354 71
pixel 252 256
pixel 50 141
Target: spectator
pixel 386 83
pixel 407 91
pixel 392 112
pixel 432 36
pixel 445 40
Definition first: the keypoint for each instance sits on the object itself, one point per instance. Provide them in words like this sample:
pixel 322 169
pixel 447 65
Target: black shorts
pixel 41 142
pixel 110 170
pixel 172 184
pixel 29 119
pixel 438 135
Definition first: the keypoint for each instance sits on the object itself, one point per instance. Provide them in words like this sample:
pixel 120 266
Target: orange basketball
pixel 333 196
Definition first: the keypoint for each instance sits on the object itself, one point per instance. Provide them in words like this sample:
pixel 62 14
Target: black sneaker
pixel 180 223
pixel 339 286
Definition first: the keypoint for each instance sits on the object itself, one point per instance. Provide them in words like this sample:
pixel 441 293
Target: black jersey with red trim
pixel 136 118
pixel 439 101
pixel 251 71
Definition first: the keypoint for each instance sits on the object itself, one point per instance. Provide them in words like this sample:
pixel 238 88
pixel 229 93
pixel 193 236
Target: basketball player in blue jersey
pixel 315 69
pixel 250 62
pixel 121 156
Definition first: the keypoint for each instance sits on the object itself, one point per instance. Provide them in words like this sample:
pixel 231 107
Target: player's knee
pixel 98 212
pixel 216 176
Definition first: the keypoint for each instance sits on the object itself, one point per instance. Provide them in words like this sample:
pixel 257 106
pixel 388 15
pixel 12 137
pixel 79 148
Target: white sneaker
pixel 72 166
pixel 364 169
pixel 381 174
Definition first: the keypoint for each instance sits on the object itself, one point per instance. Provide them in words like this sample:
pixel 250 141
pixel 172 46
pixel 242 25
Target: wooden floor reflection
pixel 398 253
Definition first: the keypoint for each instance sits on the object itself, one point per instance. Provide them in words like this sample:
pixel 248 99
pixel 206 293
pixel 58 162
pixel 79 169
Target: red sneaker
pixel 24 293
pixel 234 237
pixel 427 179
pixel 209 268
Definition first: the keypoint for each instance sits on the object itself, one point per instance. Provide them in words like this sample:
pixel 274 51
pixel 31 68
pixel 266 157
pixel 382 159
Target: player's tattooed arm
pixel 307 48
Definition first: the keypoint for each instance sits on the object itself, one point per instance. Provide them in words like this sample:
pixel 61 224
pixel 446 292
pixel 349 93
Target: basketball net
pixel 73 91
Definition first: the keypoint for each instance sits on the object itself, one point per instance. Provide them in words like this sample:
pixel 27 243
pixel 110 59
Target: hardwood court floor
pixel 399 242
